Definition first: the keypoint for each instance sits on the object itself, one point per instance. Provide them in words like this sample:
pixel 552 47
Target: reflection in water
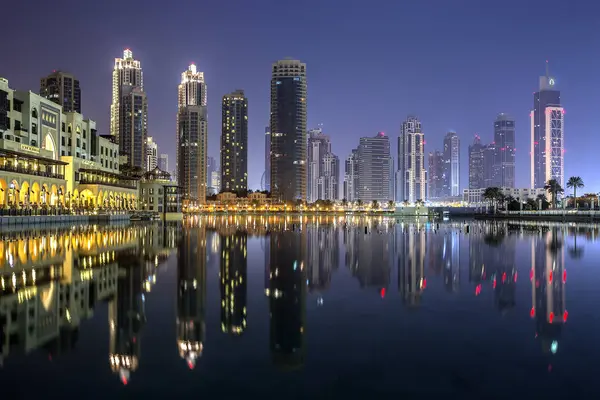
pixel 191 293
pixel 51 280
pixel 548 279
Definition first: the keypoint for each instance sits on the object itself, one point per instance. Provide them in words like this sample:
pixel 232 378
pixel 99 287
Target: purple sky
pixel 454 63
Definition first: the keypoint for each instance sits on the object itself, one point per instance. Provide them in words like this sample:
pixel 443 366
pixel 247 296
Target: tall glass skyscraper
pixel 451 164
pixel 374 169
pixel 411 180
pixel 504 139
pixel 288 130
pixel 234 142
pixel 192 137
pixel 129 109
pixel 547 134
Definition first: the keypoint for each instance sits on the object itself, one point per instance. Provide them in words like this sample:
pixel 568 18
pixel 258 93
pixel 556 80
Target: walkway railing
pixel 115 184
pixel 29 171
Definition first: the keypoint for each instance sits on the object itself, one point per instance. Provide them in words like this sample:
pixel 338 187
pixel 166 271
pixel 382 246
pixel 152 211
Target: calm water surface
pixel 231 307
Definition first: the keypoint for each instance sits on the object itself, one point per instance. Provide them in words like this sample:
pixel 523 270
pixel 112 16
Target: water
pixel 231 307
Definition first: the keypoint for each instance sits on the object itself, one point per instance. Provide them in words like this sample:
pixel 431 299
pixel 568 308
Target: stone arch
pixel 54 195
pixel 13 192
pixel 24 193
pixel 88 198
pixel 75 198
pixel 61 195
pixel 35 195
pixel 48 144
pixel 45 194
pixel 3 193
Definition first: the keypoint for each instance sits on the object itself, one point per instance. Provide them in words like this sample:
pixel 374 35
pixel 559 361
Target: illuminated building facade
pixel 191 294
pixel 63 89
pixel 451 164
pixel 411 183
pixel 288 130
pixel 351 177
pixel 129 109
pixel 233 276
pixel 234 142
pixel 436 175
pixel 151 154
pixel 504 139
pixel 267 175
pixel 192 137
pixel 159 194
pixel 476 164
pixel 287 297
pixel 52 160
pixel 374 169
pixel 547 134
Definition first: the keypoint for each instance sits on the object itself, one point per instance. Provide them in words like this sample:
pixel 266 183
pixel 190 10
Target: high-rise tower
pixel 266 184
pixel 192 137
pixel 129 109
pixel 412 175
pixel 323 168
pixel 504 139
pixel 374 169
pixel 63 89
pixel 476 164
pixel 234 142
pixel 288 130
pixel 451 164
pixel 547 134
pixel 151 154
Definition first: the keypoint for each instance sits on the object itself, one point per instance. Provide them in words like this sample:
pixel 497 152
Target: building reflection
pixel 322 256
pixel 287 296
pixel 410 250
pixel 451 261
pixel 233 279
pixel 191 293
pixel 369 251
pixel 548 279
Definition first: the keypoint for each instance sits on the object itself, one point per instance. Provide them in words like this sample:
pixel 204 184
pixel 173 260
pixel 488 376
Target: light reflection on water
pixel 315 294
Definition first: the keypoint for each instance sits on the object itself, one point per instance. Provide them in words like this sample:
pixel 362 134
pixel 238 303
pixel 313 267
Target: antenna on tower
pixel 547 69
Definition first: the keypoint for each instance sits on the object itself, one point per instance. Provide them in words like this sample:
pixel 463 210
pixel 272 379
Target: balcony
pixel 92 181
pixel 29 171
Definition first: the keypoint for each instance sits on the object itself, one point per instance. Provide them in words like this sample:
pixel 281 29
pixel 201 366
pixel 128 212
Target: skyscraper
pixel 267 175
pixel 163 162
pixel 411 183
pixel 504 138
pixel 323 168
pixel 129 109
pixel 451 164
pixel 374 169
pixel 234 142
pixel 490 166
pixel 151 154
pixel 288 130
pixel 192 136
pixel 63 89
pixel 351 177
pixel 476 164
pixel 329 179
pixel 211 167
pixel 436 175
pixel 547 134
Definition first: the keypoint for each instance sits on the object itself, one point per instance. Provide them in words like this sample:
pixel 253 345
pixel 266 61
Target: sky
pixel 455 64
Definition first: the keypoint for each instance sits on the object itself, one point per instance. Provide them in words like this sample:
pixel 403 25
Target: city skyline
pixel 512 83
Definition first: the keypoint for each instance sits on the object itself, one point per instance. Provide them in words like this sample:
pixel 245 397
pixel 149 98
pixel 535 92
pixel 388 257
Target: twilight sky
pixel 454 63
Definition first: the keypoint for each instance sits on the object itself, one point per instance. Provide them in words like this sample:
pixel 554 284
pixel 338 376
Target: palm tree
pixel 554 188
pixel 575 183
pixel 359 203
pixel 391 204
pixel 405 203
pixel 493 195
pixel 543 199
pixel 420 202
pixel 344 202
pixel 375 205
